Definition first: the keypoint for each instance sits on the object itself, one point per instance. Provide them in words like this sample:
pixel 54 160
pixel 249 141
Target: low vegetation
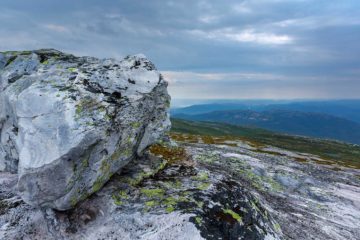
pixel 342 153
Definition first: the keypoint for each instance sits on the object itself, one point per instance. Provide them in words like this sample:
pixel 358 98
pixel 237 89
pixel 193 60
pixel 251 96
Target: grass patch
pixel 344 154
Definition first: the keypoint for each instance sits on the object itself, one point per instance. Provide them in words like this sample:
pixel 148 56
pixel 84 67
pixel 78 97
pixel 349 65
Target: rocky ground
pixel 203 188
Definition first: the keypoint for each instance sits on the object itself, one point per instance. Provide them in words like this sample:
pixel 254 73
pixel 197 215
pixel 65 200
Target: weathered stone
pixel 225 190
pixel 69 123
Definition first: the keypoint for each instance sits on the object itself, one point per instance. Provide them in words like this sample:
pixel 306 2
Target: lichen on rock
pixel 69 123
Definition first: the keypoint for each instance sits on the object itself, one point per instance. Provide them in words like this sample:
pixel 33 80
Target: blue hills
pixel 337 120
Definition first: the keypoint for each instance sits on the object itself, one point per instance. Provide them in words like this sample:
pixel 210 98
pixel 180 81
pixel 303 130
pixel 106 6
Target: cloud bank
pixel 207 49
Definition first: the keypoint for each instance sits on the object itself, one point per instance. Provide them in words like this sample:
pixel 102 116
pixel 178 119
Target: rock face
pixel 150 199
pixel 67 123
pixel 229 189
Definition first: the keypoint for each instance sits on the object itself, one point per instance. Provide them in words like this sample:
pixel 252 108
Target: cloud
pixel 175 77
pixel 243 36
pixel 242 8
pixel 56 28
pixel 245 48
pixel 192 85
pixel 208 19
pixel 316 22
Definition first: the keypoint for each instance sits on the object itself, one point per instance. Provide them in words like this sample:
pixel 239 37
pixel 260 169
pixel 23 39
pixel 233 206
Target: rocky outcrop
pixel 152 198
pixel 69 123
pixel 229 189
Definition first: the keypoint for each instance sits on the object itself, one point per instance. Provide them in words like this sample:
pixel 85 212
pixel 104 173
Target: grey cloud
pixel 312 44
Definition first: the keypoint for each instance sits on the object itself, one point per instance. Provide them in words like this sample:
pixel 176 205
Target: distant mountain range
pixel 339 120
pixel 348 109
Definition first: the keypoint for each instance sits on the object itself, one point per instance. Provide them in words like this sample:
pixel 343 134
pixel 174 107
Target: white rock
pixel 68 123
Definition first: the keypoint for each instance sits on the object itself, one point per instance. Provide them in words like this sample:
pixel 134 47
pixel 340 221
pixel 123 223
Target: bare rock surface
pixel 67 123
pixel 151 199
pixel 192 190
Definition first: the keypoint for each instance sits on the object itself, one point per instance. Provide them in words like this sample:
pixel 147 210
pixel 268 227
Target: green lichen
pixel 151 203
pixel 127 152
pixel 144 175
pixel 199 204
pixel 73 200
pixel 275 185
pixel 135 124
pixel 203 186
pixel 261 182
pixel 153 193
pixel 78 196
pixel 167 103
pixel 105 171
pixel 233 214
pixel 84 195
pixel 116 155
pixel 102 109
pixel 207 157
pixel 90 124
pixel 117 201
pixel 121 152
pixel 169 209
pixel 277 227
pixel 198 220
pixel 170 201
pixel 107 117
pixel 99 182
pixel 24 53
pixel 79 109
pixel 120 197
pixel 254 206
pixel 87 108
pixel 72 69
pixel 105 167
pixel 46 62
pixel 173 184
pixel 11 59
pixel 85 163
pixel 123 195
pixel 203 176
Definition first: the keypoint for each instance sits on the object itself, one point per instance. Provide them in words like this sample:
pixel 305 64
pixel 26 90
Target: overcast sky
pixel 281 49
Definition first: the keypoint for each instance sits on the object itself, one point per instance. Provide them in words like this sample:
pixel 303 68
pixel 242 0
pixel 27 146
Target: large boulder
pixel 67 123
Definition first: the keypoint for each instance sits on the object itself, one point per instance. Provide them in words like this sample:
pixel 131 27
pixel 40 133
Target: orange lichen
pixel 169 153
